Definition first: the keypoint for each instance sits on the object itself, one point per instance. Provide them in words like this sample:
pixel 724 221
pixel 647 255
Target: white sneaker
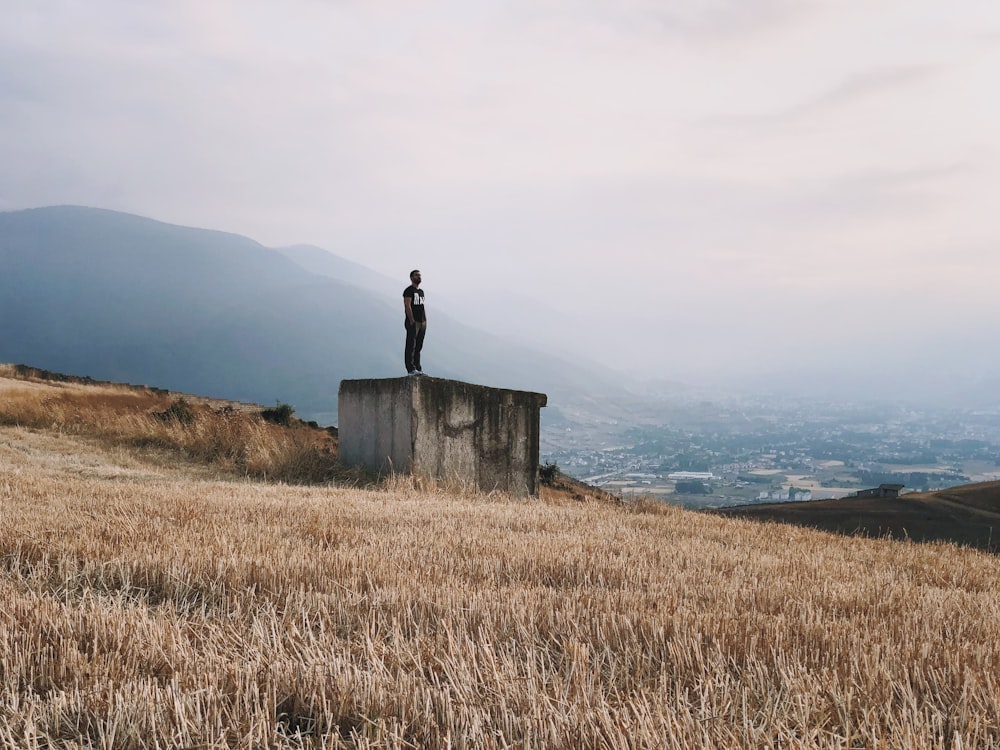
pixel 414 373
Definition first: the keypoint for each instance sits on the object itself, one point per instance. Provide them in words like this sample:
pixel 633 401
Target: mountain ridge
pixel 127 298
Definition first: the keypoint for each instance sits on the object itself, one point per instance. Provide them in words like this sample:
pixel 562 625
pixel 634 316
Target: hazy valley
pixel 759 449
pixel 130 299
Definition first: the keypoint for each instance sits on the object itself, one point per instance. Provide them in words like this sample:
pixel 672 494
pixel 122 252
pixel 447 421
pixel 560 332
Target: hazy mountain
pixel 324 263
pixel 121 297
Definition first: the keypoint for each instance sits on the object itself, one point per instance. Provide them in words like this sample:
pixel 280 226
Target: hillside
pixel 219 435
pixel 968 515
pixel 151 597
pixel 211 436
pixel 129 299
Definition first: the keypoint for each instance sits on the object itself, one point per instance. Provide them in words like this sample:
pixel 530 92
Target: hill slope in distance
pixel 967 515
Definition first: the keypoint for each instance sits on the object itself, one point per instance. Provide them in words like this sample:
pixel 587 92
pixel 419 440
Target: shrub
pixel 281 414
pixel 178 411
pixel 548 472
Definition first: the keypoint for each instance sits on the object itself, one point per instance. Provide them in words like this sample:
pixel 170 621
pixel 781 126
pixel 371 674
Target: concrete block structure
pixel 443 429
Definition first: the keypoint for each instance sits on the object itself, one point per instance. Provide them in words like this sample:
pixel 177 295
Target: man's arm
pixel 408 309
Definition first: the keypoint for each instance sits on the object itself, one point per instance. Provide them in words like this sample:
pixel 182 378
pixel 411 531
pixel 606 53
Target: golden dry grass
pixel 159 613
pixel 232 440
pixel 142 606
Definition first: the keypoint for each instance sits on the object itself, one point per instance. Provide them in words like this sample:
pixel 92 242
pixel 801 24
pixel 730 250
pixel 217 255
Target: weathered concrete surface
pixel 444 429
pixel 377 417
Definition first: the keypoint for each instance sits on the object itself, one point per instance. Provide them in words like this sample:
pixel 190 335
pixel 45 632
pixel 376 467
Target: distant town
pixel 709 453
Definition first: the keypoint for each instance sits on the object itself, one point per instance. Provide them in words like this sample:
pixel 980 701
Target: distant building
pixel 883 490
pixel 688 475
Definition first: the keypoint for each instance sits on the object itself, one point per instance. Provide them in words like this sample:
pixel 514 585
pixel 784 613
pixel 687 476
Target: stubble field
pixel 150 605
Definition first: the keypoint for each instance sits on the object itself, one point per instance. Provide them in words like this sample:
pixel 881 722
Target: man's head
pixel 415 277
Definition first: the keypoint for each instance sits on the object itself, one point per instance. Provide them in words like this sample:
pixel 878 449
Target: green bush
pixel 281 414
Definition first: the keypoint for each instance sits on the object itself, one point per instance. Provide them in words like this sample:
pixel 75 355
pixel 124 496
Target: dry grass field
pixel 229 437
pixel 155 603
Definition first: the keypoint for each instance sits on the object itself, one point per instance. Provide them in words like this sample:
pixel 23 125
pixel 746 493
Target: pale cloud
pixel 854 89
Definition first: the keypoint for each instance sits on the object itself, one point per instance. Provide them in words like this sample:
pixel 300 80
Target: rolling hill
pixel 967 515
pixel 125 298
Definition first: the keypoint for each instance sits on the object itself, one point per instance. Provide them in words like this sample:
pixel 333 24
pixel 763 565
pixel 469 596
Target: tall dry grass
pixel 231 440
pixel 151 613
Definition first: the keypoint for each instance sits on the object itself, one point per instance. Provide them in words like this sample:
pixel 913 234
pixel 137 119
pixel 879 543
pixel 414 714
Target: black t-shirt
pixel 417 303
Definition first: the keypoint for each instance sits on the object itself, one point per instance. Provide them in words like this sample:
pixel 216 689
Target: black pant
pixel 414 343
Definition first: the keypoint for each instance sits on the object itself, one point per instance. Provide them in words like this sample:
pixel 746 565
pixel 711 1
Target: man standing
pixel 416 324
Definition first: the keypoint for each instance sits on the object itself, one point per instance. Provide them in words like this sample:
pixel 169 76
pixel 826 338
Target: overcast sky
pixel 680 184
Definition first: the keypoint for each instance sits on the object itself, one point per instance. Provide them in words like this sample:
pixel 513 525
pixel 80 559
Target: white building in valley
pixel 691 475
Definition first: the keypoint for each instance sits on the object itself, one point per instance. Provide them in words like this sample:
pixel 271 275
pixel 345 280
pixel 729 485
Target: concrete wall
pixel 445 429
pixel 375 424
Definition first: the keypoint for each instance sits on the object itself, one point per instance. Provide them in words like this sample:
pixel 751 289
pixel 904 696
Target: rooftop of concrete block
pixel 429 384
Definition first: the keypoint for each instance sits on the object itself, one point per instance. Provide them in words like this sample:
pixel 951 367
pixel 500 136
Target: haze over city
pixel 683 190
